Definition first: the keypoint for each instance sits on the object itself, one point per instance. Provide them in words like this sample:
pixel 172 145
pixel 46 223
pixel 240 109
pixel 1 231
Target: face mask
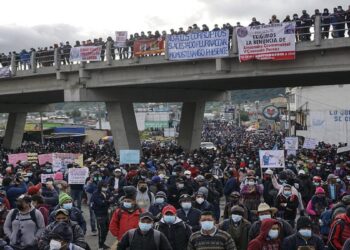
pixel 127 204
pixel 55 245
pixel 49 183
pixel 316 184
pixel 186 205
pixel 25 179
pixel 145 227
pixel 188 176
pixel 170 219
pixel 264 216
pixel 200 200
pixel 143 189
pixel 68 206
pixel 29 174
pixel 273 234
pixel 287 193
pixel 251 183
pixel 173 173
pixel 159 200
pixel 207 225
pixel 318 168
pixel 236 218
pixel 104 189
pixel 180 186
pixel 102 169
pixel 337 168
pixel 305 233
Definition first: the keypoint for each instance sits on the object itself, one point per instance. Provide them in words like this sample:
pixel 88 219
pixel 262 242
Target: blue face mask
pixel 273 234
pixel 159 200
pixel 170 219
pixel 145 227
pixel 186 205
pixel 207 225
pixel 305 233
pixel 68 206
pixel 127 204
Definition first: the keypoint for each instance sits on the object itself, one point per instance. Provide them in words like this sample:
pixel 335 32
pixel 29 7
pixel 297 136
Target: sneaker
pixel 94 233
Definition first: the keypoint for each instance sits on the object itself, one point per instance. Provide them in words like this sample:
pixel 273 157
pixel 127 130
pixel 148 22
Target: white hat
pixel 301 172
pixel 187 172
pixel 269 172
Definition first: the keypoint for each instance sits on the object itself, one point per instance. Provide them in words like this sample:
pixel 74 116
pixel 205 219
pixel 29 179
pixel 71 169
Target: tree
pixel 244 116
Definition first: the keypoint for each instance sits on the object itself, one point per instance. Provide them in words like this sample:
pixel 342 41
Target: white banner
pixel 291 143
pixel 210 44
pixel 86 53
pixel 77 175
pixel 310 143
pixel 5 72
pixel 267 42
pixel 120 39
pixel 271 158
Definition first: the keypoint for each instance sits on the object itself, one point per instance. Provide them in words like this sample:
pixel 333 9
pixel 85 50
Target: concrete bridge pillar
pixel 191 123
pixel 14 130
pixel 123 125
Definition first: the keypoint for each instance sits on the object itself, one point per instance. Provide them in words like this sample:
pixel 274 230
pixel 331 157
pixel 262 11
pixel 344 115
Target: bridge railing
pixel 56 58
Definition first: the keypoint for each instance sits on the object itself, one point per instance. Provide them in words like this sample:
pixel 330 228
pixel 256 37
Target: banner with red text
pixel 86 53
pixel 148 46
pixel 267 42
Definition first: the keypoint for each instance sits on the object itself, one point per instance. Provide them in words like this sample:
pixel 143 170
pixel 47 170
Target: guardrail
pixel 57 57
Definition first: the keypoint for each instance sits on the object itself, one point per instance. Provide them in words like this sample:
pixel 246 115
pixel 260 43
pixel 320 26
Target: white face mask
pixel 236 218
pixel 251 183
pixel 273 234
pixel 200 200
pixel 264 216
pixel 55 245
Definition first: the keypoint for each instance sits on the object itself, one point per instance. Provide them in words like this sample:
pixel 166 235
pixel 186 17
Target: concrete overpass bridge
pixel 156 79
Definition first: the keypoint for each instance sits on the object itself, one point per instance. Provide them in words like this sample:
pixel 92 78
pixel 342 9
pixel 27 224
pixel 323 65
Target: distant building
pixel 322 112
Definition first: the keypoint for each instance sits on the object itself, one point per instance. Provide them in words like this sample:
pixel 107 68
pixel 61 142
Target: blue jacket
pixel 91 188
pixel 50 196
pixel 74 215
pixel 191 218
pixel 13 192
pixel 99 203
pixel 231 186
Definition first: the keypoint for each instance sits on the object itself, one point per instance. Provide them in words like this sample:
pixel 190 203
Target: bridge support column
pixel 14 130
pixel 123 125
pixel 192 115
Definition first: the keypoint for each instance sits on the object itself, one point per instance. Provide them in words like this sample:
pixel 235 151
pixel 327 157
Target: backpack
pixel 340 222
pixel 156 235
pixel 32 216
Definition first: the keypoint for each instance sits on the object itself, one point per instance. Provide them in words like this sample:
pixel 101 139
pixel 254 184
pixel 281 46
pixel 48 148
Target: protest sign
pixel 310 143
pixel 291 152
pixel 45 158
pixel 343 149
pixel 271 158
pixel 129 156
pixel 32 157
pixel 86 53
pixel 61 160
pixel 291 143
pixel 77 175
pixel 210 44
pixel 169 132
pixel 148 46
pixel 5 72
pixel 43 177
pixel 14 158
pixel 267 42
pixel 120 39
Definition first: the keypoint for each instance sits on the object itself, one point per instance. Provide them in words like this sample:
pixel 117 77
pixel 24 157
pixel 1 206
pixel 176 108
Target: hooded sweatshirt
pixel 262 241
pixel 144 200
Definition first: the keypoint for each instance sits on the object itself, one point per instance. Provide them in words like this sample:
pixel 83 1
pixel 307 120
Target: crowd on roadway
pixel 338 19
pixel 207 199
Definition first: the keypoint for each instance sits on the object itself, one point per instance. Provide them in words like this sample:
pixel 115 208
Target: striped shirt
pixel 219 240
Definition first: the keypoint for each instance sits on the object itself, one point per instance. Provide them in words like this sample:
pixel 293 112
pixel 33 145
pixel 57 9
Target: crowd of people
pixel 339 20
pixel 201 200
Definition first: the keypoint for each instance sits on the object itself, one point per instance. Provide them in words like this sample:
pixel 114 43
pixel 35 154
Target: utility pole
pixel 41 128
pixel 99 116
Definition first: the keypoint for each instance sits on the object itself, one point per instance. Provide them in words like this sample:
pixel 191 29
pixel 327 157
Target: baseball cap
pixel 169 208
pixel 146 215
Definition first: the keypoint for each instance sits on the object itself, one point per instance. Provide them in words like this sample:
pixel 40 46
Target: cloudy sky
pixel 34 23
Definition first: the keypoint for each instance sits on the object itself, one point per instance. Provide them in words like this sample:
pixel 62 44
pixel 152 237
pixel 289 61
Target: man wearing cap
pixel 24 224
pixel 125 217
pixel 237 227
pixel 210 237
pixel 144 236
pixel 267 212
pixel 177 232
pixel 14 189
pixel 287 204
pixel 304 237
pixel 201 202
pixel 269 192
pixel 187 213
pixel 235 200
pixel 117 183
pixel 159 204
pixel 62 232
pixel 66 202
pixel 333 189
pixel 144 197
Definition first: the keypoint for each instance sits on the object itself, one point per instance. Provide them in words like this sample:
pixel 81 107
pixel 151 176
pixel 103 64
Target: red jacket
pixel 340 231
pixel 261 242
pixel 122 221
pixel 44 209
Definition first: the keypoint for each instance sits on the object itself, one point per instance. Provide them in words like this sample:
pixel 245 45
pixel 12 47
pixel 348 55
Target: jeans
pixel 77 196
pixel 102 227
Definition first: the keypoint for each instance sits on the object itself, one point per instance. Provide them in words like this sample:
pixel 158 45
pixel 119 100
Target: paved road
pixel 93 240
